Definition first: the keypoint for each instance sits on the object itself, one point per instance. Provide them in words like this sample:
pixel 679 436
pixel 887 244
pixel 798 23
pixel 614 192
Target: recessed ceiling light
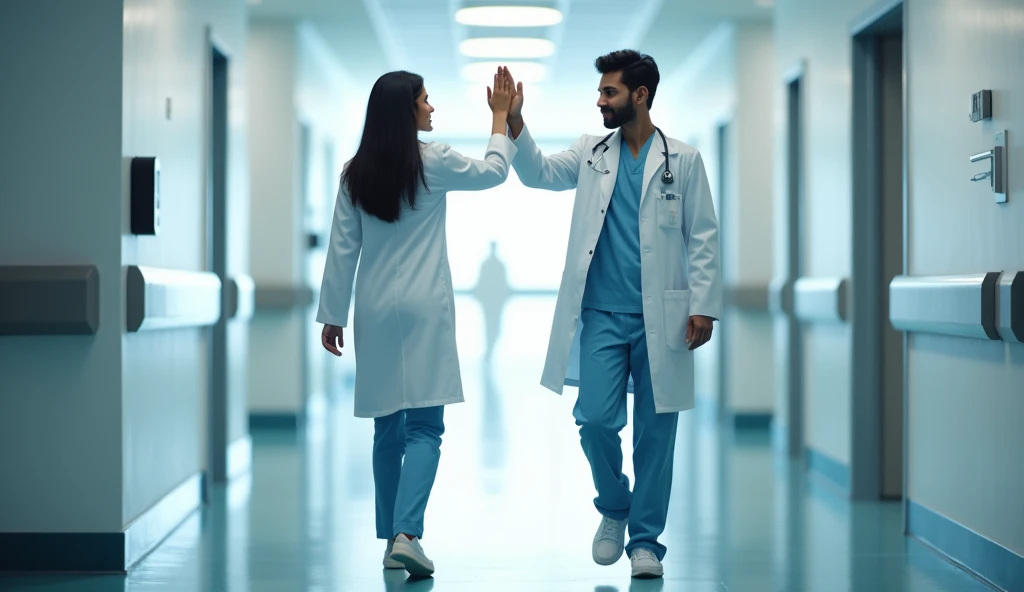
pixel 508 16
pixel 483 72
pixel 507 47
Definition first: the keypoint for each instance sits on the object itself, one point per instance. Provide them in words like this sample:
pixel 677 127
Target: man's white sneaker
pixel 409 553
pixel 646 564
pixel 609 541
pixel 390 563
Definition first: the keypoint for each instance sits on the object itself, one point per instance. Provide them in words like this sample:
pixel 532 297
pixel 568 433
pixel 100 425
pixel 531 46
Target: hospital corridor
pixel 511 296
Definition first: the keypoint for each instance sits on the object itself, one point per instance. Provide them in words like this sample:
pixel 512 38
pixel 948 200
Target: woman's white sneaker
pixel 390 563
pixel 609 541
pixel 409 553
pixel 646 564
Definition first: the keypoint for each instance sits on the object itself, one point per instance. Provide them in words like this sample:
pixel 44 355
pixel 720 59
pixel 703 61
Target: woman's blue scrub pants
pixel 403 487
pixel 613 346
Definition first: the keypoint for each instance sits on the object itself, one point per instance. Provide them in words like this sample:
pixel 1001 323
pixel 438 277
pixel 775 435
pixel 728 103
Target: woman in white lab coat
pixel 390 217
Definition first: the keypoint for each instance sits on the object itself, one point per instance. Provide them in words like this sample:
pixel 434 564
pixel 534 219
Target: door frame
pixel 868 388
pixel 216 258
pixel 789 358
pixel 724 127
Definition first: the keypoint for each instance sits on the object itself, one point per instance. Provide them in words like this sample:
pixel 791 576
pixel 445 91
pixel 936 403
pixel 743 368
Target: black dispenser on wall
pixel 145 196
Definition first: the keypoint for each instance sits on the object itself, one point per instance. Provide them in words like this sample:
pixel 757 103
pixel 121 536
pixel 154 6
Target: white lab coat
pixel 679 263
pixel 404 317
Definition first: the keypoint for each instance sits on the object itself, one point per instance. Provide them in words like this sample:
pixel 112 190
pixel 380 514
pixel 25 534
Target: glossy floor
pixel 512 511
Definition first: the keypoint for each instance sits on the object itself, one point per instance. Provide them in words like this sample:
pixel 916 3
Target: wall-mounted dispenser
pixel 981 105
pixel 145 196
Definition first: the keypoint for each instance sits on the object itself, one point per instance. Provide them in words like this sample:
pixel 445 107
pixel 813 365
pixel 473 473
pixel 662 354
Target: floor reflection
pixel 512 509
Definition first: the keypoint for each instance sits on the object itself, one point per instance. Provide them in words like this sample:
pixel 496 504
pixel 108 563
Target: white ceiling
pixel 371 37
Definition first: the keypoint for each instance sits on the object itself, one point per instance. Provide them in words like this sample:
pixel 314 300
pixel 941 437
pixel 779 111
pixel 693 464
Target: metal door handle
pixel 996 173
pixel 984 155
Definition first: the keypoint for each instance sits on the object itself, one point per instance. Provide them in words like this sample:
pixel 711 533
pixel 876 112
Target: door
pixel 724 200
pixel 788 432
pixel 877 460
pixel 216 261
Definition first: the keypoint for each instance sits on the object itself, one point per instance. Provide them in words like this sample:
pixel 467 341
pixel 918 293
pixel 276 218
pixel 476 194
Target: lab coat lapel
pixel 610 162
pixel 655 164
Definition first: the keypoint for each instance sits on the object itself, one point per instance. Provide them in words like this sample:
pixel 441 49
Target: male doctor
pixel 639 292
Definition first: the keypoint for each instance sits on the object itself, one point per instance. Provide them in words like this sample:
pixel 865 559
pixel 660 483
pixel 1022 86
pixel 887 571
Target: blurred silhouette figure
pixel 492 291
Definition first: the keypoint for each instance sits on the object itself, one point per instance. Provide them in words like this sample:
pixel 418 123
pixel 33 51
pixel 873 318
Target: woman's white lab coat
pixel 404 317
pixel 679 265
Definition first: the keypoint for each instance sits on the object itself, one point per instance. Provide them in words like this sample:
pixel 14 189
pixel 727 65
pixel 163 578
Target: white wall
pixel 294 80
pixel 965 400
pixel 165 372
pixel 108 425
pixel 275 370
pixel 751 372
pixel 60 138
pixel 818 34
pixel 729 80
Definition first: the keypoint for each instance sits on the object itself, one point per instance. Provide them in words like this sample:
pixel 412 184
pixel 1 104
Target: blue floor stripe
pixel 278 421
pixel 984 557
pixel 751 421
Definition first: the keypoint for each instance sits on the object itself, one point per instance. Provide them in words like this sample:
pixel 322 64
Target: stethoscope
pixel 666 177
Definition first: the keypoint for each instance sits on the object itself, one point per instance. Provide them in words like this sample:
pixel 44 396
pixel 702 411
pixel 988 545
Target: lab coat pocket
pixel 677 315
pixel 669 207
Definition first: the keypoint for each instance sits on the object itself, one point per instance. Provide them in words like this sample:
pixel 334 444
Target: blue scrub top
pixel 613 282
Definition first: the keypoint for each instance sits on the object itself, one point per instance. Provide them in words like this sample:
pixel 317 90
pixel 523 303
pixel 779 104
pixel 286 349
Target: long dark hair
pixel 388 167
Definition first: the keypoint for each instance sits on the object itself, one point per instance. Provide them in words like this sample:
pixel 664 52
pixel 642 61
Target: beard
pixel 620 116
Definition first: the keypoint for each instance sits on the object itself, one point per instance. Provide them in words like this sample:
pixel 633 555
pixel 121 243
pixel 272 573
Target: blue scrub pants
pixel 613 346
pixel 402 488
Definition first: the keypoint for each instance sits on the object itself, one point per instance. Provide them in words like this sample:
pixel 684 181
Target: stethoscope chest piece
pixel 667 177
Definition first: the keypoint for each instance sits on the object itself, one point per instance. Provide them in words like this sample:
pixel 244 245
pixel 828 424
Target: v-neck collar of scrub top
pixel 635 165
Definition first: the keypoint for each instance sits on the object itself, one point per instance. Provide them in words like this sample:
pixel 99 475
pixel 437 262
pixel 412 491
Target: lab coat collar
pixel 652 168
pixel 611 162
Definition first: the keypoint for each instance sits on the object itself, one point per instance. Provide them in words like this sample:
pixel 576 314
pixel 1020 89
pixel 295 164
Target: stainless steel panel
pixel 282 297
pixel 748 297
pixel 49 300
pixel 963 305
pixel 159 298
pixel 820 300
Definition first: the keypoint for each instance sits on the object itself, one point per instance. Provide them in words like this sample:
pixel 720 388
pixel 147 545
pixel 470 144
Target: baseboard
pixel 751 420
pixel 102 552
pixel 154 525
pixel 978 555
pixel 835 473
pixel 239 457
pixel 285 420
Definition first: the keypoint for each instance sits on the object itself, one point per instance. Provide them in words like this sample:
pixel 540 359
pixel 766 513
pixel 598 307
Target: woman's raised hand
pixel 500 98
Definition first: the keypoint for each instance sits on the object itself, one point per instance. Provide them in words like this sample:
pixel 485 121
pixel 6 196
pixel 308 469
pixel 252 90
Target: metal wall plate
pixel 999 169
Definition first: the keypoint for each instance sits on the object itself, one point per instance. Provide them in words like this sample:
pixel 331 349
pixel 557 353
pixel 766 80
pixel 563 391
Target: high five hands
pixel 507 96
pixel 500 98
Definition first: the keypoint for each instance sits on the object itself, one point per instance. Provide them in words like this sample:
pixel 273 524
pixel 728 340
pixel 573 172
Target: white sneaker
pixel 390 563
pixel 646 564
pixel 609 541
pixel 410 554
